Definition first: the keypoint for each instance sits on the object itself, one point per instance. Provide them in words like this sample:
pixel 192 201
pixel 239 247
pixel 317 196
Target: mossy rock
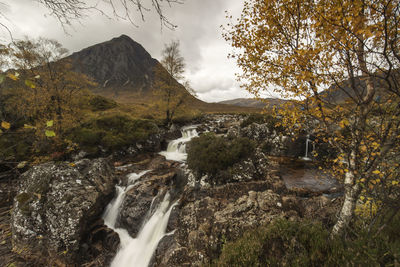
pixel 23 198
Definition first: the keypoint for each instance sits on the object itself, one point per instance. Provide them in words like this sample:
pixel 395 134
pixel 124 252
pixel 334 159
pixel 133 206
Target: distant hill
pixel 254 103
pixel 340 93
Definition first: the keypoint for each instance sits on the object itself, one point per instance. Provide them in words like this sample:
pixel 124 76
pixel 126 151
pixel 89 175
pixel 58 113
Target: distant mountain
pixel 356 88
pixel 254 103
pixel 118 63
pixel 124 71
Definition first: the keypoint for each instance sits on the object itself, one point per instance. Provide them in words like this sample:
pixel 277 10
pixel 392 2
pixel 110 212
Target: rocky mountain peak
pixel 119 62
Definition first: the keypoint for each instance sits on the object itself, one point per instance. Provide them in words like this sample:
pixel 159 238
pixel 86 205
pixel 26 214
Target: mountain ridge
pixel 120 63
pixel 253 103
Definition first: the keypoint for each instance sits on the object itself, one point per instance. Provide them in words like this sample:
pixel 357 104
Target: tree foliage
pixel 341 61
pixel 43 98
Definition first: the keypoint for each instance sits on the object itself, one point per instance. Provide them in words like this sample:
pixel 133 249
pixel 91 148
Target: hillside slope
pixel 254 103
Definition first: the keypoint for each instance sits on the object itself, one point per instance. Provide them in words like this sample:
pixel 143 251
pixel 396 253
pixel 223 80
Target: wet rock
pixel 138 200
pixel 55 206
pixel 207 218
pixel 292 203
pixel 243 171
pixel 100 246
pixel 257 132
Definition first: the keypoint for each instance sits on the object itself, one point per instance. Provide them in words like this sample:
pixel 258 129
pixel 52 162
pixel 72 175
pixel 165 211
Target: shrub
pixel 209 154
pixel 16 147
pixel 100 103
pixel 286 243
pixel 112 132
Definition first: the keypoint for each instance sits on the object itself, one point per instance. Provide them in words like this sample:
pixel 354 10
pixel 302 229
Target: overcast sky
pixel 211 74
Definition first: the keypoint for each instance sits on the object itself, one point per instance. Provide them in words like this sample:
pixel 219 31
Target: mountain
pixel 118 63
pixel 254 103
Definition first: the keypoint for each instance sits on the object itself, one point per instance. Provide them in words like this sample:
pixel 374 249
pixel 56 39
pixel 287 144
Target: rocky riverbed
pixel 57 210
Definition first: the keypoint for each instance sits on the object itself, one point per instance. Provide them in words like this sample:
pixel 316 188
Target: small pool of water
pixel 304 174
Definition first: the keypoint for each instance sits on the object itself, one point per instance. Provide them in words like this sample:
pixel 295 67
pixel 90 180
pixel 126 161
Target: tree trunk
pixel 352 190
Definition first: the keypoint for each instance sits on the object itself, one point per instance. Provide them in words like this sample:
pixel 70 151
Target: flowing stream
pixel 176 149
pixel 137 252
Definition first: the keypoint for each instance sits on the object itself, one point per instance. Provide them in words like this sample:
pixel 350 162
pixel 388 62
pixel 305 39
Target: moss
pixel 41 185
pixel 210 154
pixel 16 147
pixel 87 136
pixel 113 142
pixel 305 243
pixel 100 103
pixel 23 198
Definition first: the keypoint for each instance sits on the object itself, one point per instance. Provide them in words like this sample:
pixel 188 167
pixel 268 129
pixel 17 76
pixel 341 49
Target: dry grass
pixel 147 105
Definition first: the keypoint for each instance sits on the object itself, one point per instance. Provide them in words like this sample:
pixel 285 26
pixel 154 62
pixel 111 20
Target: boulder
pixel 206 218
pixel 100 246
pixel 257 132
pixel 138 200
pixel 55 206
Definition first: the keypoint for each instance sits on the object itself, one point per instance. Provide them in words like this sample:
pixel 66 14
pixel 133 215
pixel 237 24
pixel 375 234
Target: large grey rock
pixel 257 132
pixel 55 206
pixel 141 196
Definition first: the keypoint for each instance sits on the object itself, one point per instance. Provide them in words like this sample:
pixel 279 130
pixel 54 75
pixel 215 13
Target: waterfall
pixel 176 149
pixel 137 252
pixel 308 140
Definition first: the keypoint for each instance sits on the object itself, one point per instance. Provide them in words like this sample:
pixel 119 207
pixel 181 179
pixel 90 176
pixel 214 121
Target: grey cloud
pixel 202 45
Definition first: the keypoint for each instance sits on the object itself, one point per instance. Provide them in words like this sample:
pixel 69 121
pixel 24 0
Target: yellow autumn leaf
pixel 27 126
pixel 50 133
pixel 12 76
pixel 30 84
pixel 395 182
pixel 5 125
pixel 376 172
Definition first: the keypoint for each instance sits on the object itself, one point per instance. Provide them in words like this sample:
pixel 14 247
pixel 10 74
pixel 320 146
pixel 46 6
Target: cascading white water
pixel 111 212
pixel 176 149
pixel 137 252
pixel 308 140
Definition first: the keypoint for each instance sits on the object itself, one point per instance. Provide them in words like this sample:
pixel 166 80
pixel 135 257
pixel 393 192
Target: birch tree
pixel 314 51
pixel 171 93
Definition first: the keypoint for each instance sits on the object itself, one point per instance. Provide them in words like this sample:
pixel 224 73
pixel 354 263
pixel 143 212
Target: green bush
pixel 100 103
pixel 112 132
pixel 209 154
pixel 286 243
